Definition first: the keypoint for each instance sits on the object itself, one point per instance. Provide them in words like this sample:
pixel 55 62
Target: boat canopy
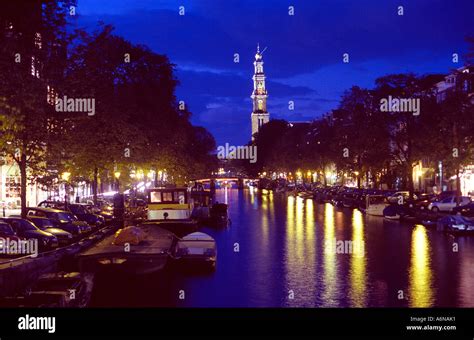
pixel 197 236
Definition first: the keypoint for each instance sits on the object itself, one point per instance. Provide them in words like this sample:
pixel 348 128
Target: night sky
pixel 303 61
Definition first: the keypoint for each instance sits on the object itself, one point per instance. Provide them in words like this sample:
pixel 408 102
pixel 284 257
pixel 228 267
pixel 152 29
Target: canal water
pixel 284 251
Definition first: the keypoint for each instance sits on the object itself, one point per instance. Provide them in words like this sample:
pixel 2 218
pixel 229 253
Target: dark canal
pixel 273 255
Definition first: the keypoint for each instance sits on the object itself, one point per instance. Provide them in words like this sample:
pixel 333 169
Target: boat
pixel 375 205
pixel 392 212
pixel 197 249
pixel 132 250
pixel 171 208
pixel 456 224
pixel 202 202
pixel 305 194
pixel 60 289
pixel 219 215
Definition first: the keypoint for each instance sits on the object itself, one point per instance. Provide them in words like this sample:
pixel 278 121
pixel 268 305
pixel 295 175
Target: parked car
pixel 445 194
pixel 48 225
pixel 104 210
pixel 80 210
pixel 83 213
pixel 6 234
pixel 423 201
pixel 26 229
pixel 465 210
pixel 61 219
pixel 448 204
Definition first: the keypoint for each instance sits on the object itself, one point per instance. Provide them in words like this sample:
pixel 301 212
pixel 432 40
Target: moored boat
pixel 375 205
pixel 219 215
pixel 132 250
pixel 55 290
pixel 456 225
pixel 197 249
pixel 171 208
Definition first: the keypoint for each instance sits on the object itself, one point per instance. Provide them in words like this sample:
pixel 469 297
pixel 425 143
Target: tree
pixel 320 149
pixel 32 38
pixel 138 122
pixel 361 134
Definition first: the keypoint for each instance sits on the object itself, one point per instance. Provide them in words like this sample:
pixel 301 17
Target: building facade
pixel 259 95
pixel 462 79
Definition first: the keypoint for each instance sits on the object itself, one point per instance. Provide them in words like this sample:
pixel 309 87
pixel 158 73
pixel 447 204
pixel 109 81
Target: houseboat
pixel 171 208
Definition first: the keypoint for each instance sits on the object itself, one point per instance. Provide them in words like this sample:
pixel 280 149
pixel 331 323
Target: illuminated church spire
pixel 259 95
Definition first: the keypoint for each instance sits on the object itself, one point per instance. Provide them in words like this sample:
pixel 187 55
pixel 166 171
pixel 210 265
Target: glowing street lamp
pixel 151 173
pixel 65 176
pixel 117 176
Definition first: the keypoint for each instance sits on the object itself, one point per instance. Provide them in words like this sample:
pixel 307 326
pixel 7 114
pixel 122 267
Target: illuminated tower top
pixel 259 95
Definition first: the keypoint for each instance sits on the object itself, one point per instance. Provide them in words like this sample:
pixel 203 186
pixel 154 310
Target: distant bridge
pixel 226 180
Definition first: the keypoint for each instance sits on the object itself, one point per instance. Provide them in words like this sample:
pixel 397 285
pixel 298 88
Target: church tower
pixel 259 95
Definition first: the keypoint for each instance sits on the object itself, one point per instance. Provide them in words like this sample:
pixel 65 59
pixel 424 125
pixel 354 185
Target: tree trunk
pixel 458 186
pixel 359 172
pixel 95 185
pixel 24 179
pixel 458 179
pixel 410 179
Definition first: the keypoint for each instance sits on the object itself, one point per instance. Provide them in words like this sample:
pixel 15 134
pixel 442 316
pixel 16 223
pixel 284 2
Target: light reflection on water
pixel 282 248
pixel 420 289
pixel 330 260
pixel 358 275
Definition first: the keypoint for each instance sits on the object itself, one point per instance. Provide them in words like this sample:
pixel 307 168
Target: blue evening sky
pixel 303 62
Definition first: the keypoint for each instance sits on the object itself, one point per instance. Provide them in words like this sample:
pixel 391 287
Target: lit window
pixel 38 43
pixel 155 197
pixel 51 95
pixel 34 69
pixel 167 197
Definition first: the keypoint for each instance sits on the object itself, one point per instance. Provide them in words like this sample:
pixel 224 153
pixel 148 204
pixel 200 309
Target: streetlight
pixel 356 173
pixel 117 176
pixel 65 177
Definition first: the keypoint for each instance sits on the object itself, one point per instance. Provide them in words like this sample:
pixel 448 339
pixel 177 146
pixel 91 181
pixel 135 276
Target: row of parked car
pixel 342 196
pixel 55 224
